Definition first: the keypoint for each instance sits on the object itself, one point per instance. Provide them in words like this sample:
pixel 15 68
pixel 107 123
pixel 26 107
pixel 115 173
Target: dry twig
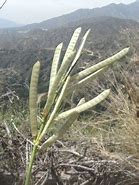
pixel 3 4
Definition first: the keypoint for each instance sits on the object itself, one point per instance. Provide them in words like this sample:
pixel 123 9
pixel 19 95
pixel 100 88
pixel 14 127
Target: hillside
pixel 107 33
pixel 102 146
pixel 19 51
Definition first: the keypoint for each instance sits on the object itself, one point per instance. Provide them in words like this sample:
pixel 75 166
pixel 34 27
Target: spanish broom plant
pixel 62 82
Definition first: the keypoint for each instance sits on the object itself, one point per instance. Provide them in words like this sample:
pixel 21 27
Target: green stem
pixel 29 167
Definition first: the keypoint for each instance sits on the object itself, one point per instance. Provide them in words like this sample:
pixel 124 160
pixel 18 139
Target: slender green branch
pixel 30 165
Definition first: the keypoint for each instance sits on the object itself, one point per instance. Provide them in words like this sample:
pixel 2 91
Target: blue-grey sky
pixel 29 11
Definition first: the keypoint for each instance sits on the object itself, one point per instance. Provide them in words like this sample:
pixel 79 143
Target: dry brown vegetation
pixel 99 149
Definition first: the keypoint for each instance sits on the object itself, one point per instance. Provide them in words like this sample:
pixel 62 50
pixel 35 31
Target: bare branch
pixel 3 4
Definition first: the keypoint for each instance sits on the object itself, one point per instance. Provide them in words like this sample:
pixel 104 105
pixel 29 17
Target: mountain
pixel 103 30
pixel 108 35
pixel 129 11
pixel 4 23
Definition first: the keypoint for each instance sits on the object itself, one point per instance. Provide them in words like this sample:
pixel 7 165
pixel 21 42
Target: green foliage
pixel 33 98
pixel 61 80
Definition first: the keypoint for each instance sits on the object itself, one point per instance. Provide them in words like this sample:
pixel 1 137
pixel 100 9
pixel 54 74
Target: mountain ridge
pixel 124 11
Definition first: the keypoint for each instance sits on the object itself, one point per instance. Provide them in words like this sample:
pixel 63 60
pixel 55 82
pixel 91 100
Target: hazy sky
pixel 29 11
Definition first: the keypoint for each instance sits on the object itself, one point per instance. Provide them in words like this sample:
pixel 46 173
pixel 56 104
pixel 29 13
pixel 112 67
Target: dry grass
pixel 115 129
pixel 111 134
